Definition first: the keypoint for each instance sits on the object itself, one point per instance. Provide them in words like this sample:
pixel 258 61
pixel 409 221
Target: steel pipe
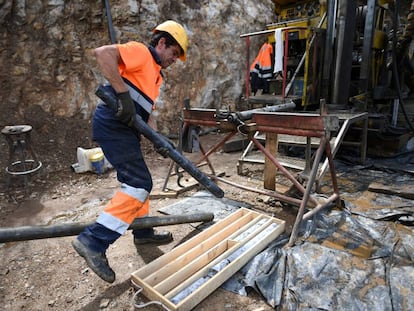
pixel 68 229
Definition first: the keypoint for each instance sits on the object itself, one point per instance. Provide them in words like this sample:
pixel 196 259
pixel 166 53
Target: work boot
pixel 96 261
pixel 153 237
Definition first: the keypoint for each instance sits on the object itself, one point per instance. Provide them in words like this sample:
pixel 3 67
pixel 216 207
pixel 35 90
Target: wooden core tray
pixel 190 272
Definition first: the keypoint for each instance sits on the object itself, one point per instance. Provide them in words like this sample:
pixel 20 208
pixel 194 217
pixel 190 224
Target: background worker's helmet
pixel 177 32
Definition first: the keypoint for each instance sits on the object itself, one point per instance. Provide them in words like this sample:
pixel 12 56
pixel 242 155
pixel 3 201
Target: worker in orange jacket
pixel 261 69
pixel 133 71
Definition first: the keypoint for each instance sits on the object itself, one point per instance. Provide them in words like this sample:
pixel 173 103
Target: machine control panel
pixel 287 11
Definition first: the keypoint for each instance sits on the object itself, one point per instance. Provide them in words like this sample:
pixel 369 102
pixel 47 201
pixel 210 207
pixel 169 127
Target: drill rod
pixel 161 143
pixel 60 230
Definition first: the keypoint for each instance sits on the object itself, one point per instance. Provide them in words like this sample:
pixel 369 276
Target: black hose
pixel 109 20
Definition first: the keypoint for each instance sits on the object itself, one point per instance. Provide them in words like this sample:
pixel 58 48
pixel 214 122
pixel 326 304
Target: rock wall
pixel 46 52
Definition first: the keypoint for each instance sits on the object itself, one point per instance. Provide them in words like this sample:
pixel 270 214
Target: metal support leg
pixel 306 195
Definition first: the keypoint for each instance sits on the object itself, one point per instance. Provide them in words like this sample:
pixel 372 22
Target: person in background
pixel 133 71
pixel 261 69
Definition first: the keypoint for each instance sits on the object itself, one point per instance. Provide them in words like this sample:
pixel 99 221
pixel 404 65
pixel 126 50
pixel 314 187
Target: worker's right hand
pixel 126 108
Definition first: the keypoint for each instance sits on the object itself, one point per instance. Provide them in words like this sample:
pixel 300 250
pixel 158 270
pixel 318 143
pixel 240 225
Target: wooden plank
pixel 176 252
pixel 231 246
pixel 187 256
pixel 292 140
pixel 404 191
pixel 234 242
pixel 269 167
pixel 228 254
pixel 152 294
pixel 237 239
pixel 191 268
pixel 206 289
pixel 158 194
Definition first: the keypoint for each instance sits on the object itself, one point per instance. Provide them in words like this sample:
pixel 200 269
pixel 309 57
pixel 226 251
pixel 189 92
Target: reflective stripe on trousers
pixel 126 205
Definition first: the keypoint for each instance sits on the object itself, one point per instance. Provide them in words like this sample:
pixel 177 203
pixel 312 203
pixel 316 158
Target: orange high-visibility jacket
pixel 262 65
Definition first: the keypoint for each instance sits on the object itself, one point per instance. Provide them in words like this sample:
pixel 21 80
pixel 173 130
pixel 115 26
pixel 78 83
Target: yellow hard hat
pixel 177 32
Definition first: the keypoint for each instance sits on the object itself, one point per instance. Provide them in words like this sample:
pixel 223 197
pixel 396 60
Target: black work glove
pixel 126 108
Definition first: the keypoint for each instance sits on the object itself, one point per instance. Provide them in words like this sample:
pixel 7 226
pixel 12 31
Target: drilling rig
pixel 346 56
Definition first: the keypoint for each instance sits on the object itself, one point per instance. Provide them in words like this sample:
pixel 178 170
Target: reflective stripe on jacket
pixel 143 104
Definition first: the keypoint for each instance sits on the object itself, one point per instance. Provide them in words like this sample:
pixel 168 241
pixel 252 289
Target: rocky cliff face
pixel 46 52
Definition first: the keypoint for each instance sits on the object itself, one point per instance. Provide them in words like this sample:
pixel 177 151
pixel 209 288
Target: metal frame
pixel 346 120
pixel 298 124
pixel 22 159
